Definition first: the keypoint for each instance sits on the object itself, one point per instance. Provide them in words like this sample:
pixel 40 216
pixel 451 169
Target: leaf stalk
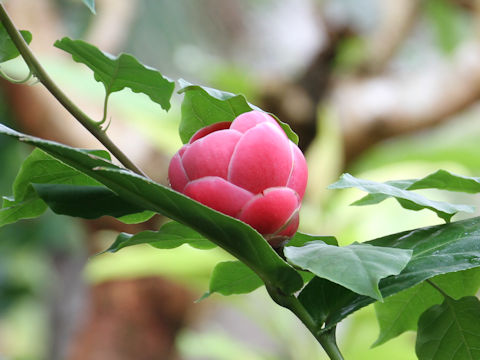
pixel 325 338
pixel 39 72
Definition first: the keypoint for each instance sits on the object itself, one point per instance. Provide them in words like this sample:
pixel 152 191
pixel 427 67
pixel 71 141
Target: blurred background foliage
pixel 383 89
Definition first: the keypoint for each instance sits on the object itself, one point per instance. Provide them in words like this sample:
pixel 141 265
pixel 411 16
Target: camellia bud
pixel 247 169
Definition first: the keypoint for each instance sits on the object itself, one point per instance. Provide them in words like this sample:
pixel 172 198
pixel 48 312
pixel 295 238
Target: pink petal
pixel 269 212
pixel 176 173
pixel 209 129
pixel 262 159
pixel 299 176
pixel 218 194
pixel 248 120
pixel 210 155
pixel 276 240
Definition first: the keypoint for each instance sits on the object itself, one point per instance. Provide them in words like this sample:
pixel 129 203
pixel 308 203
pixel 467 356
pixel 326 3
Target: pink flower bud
pixel 247 169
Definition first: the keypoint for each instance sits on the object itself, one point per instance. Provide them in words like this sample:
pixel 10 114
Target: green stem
pixel 13 80
pixel 326 338
pixel 40 73
pixel 438 288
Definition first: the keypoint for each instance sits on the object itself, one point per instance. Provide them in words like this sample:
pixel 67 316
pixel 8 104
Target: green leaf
pixel 232 277
pixel 169 236
pixel 400 312
pixel 441 180
pixel 450 331
pixel 203 106
pixel 88 202
pixel 358 267
pixel 123 71
pixel 90 4
pixel 40 168
pixel 239 239
pixel 8 50
pixel 407 199
pixel 322 298
pixel 437 250
pixel 300 239
pixel 26 209
pixel 43 180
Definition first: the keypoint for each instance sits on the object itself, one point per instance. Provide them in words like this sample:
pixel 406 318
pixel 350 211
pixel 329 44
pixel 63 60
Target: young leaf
pixel 407 199
pixel 123 71
pixel 358 267
pixel 437 250
pixel 169 236
pixel 203 106
pixel 450 331
pixel 90 4
pixel 239 239
pixel 8 50
pixel 400 312
pixel 232 277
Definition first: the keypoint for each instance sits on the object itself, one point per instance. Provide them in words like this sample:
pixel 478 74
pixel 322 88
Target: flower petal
pixel 177 176
pixel 248 120
pixel 299 175
pixel 218 194
pixel 210 155
pixel 262 159
pixel 270 211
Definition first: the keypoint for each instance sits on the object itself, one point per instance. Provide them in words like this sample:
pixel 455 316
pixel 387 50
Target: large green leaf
pixel 123 71
pixel 169 236
pixel 437 250
pixel 450 331
pixel 8 50
pixel 89 202
pixel 232 277
pixel 239 239
pixel 407 199
pixel 358 267
pixel 400 312
pixel 203 106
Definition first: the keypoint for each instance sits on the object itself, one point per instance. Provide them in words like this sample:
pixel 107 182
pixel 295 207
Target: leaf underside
pixel 401 191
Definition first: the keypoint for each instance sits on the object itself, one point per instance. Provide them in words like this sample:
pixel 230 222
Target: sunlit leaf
pixel 239 239
pixel 232 277
pixel 407 199
pixel 450 331
pixel 400 312
pixel 358 267
pixel 8 50
pixel 169 236
pixel 123 71
pixel 203 106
